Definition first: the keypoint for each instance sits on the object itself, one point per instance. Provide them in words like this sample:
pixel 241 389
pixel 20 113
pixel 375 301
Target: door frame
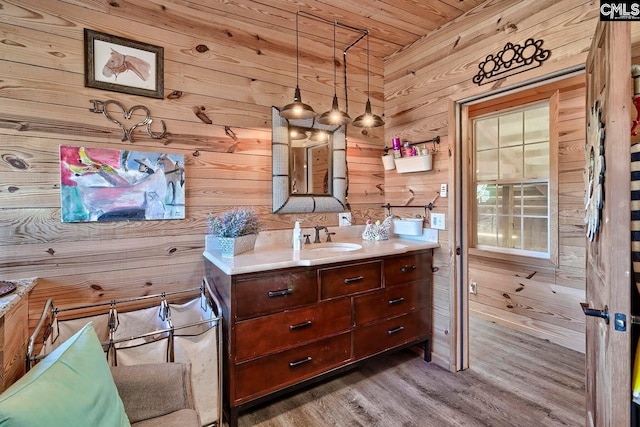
pixel 460 290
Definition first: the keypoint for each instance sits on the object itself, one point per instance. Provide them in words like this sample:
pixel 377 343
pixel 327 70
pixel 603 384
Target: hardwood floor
pixel 514 380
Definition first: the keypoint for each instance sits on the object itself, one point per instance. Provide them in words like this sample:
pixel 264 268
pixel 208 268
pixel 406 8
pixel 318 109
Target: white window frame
pixel 497 107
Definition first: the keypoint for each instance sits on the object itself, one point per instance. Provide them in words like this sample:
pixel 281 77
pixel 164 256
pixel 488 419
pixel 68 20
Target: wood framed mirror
pixel 309 173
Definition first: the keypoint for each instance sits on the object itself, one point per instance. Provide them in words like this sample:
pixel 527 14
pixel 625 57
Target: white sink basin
pixel 334 247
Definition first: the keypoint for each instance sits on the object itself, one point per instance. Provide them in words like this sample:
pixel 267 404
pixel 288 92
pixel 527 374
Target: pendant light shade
pixel 319 136
pixel 297 133
pixel 368 119
pixel 297 109
pixel 334 116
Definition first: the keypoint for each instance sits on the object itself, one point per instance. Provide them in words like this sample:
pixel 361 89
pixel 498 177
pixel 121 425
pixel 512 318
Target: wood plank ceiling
pixel 267 28
pixel 392 24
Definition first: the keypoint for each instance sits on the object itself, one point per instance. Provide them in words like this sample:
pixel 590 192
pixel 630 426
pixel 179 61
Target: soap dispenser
pixel 297 236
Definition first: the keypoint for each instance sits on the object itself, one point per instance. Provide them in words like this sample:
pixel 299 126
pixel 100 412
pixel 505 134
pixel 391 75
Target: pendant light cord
pixel 346 95
pixel 334 60
pixel 297 52
pixel 368 87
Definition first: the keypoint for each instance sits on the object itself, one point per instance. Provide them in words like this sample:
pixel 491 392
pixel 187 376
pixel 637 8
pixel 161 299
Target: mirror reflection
pixel 310 151
pixel 309 166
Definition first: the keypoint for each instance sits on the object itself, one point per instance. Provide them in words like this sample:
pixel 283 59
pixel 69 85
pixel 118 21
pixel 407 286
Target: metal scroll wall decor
pixel 127 133
pixel 594 173
pixel 512 59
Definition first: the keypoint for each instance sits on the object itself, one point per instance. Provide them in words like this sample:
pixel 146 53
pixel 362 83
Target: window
pixel 512 181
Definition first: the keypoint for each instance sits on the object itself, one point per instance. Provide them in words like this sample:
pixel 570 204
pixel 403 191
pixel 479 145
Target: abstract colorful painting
pixel 100 184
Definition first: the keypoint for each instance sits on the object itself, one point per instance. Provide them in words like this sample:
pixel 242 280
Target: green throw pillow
pixel 72 386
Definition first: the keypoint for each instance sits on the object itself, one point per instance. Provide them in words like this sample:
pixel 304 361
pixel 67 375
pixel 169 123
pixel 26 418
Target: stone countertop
pixel 274 256
pixel 23 286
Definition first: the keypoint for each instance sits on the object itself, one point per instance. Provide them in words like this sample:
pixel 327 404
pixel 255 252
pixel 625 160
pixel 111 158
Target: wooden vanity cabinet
pixel 289 327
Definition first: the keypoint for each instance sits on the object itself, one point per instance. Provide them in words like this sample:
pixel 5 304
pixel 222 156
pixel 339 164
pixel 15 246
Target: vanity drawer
pixel 390 302
pixel 407 268
pixel 271 293
pixel 350 279
pixel 391 333
pixel 256 337
pixel 274 372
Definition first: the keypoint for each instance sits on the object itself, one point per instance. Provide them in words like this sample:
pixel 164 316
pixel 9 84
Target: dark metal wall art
pixel 512 59
pixel 101 107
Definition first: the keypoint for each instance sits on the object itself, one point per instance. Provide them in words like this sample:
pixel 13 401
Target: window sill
pixel 513 258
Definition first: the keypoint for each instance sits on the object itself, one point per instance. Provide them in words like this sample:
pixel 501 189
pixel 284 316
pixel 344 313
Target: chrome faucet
pixel 318 228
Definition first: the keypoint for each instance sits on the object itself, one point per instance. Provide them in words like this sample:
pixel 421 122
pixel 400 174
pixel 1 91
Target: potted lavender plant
pixel 233 232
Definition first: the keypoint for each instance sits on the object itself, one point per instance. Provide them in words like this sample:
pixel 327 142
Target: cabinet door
pixel 390 302
pixel 275 292
pixel 390 333
pixel 269 334
pixel 350 279
pixel 271 373
pixel 407 268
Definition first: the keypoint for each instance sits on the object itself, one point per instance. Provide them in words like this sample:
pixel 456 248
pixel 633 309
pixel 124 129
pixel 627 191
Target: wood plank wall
pixel 230 63
pixel 422 83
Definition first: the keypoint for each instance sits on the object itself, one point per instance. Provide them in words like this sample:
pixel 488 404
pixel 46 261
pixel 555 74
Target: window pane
pixel 511 163
pixel 515 238
pixel 486 133
pixel 536 160
pixel 486 197
pixel 516 203
pixel 536 125
pixel 504 231
pixel 536 234
pixel 536 199
pixel 511 129
pixel 504 196
pixel 487 165
pixel 486 230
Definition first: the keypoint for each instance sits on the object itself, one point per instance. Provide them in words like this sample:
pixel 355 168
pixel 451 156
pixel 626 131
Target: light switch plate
pixel 443 190
pixel 344 219
pixel 437 221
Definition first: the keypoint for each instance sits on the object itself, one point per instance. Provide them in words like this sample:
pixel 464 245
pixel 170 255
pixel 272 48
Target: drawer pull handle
pixel 300 362
pixel 353 279
pixel 407 269
pixel 396 301
pixel 300 325
pixel 395 330
pixel 280 293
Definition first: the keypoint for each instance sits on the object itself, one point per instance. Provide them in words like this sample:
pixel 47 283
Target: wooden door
pixel 608 361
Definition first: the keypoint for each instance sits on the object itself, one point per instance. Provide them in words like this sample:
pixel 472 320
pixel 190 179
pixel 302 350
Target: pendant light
pixel 319 136
pixel 368 119
pixel 297 133
pixel 297 109
pixel 334 116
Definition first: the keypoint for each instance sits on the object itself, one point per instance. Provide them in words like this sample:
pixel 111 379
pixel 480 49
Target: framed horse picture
pixel 122 65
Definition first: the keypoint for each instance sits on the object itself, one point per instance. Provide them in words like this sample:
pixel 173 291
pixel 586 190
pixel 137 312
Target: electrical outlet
pixel 473 288
pixel 344 219
pixel 437 221
pixel 443 190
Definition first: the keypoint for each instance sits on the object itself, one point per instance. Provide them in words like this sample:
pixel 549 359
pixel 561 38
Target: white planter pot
pixel 211 243
pixel 230 246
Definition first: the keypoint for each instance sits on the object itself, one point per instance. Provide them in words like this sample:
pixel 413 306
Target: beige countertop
pixel 23 286
pixel 278 255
